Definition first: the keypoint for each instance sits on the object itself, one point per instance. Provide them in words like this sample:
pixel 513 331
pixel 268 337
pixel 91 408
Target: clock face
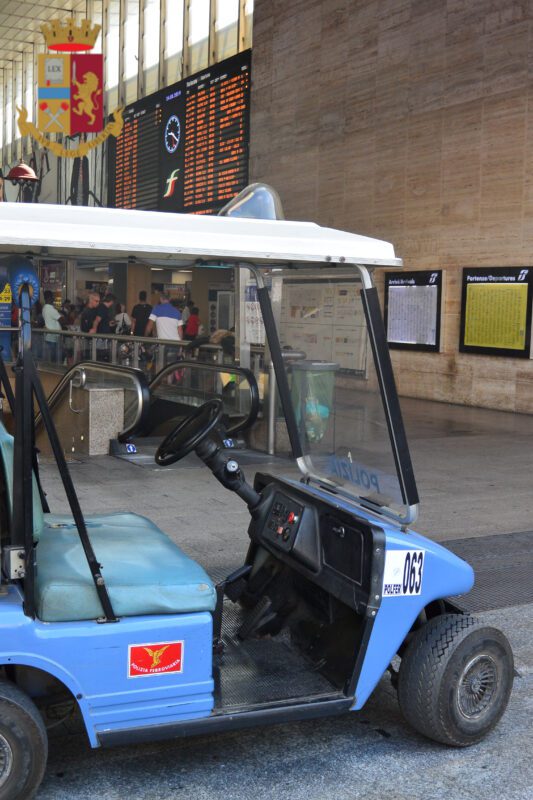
pixel 172 134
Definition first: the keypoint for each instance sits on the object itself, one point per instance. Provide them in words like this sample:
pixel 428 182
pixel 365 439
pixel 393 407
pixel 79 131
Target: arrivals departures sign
pixel 496 311
pixel 413 309
pixel 185 148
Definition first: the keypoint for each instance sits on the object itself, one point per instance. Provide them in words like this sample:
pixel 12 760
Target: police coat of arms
pixel 70 94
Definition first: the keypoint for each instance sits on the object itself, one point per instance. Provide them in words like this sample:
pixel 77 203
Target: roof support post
pixel 212 55
pixel 163 71
pixel 241 32
pixel 121 51
pixel 186 66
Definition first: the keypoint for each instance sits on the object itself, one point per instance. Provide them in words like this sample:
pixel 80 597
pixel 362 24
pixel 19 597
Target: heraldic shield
pixel 70 93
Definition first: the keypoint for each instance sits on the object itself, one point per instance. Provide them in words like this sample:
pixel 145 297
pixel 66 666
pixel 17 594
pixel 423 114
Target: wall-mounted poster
pixel 413 309
pixel 496 311
pixel 325 320
pixel 254 330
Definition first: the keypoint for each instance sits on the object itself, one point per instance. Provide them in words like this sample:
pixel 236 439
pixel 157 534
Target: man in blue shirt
pixel 166 319
pixel 166 322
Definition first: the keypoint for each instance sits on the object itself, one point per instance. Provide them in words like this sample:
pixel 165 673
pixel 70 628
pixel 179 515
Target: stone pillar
pixel 86 420
pixel 119 274
pixel 139 278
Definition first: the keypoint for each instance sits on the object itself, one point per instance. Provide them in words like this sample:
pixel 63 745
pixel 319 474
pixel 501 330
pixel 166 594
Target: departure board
pixel 136 183
pixel 185 148
pixel 496 311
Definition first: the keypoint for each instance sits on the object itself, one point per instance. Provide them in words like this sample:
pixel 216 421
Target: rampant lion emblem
pixel 86 96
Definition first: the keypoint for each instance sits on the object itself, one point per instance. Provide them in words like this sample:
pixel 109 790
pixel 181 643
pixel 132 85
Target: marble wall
pixel 411 121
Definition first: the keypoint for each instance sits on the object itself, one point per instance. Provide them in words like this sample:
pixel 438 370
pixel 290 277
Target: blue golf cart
pixel 334 588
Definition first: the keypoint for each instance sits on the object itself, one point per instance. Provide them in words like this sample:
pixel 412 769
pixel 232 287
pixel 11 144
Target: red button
pixel 290 518
pixel 279 530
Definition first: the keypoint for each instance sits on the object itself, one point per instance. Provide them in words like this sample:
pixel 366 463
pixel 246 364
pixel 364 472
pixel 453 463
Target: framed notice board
pixel 496 311
pixel 413 303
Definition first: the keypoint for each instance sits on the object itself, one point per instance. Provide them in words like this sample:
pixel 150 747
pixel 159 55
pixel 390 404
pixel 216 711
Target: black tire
pixel 23 744
pixel 455 679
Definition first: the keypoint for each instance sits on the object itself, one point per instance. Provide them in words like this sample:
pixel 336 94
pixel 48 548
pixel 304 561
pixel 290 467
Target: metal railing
pixel 189 384
pixel 61 350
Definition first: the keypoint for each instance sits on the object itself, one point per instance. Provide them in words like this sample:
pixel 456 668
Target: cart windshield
pixel 340 403
pixel 341 387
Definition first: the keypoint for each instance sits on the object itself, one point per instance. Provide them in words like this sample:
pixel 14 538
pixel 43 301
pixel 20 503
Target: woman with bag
pixel 123 320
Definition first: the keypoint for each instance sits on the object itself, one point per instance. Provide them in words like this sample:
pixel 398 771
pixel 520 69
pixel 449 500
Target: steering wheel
pixel 188 433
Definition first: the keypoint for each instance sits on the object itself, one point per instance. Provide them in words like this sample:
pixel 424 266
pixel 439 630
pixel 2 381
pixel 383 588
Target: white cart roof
pixel 109 233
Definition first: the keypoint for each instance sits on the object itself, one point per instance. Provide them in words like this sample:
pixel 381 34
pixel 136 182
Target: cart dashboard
pixel 329 546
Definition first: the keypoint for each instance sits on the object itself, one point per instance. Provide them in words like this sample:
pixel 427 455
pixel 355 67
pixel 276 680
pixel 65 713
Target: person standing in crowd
pixel 89 312
pixel 187 311
pixel 67 312
pixel 192 326
pixel 122 320
pixel 86 321
pixel 165 320
pixel 140 315
pixel 104 323
pixel 52 322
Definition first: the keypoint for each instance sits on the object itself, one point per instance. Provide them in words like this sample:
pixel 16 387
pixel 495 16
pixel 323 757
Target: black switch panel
pixel 282 523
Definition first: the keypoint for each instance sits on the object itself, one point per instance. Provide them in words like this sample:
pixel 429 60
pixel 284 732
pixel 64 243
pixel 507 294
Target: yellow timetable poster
pixel 496 315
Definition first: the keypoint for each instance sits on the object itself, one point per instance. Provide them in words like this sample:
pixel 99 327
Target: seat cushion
pixel 144 571
pixel 7 448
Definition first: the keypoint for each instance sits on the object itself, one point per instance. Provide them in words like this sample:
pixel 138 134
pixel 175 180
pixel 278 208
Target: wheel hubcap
pixel 477 686
pixel 6 760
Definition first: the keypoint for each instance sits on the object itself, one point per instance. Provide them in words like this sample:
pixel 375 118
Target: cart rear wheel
pixel 455 679
pixel 23 744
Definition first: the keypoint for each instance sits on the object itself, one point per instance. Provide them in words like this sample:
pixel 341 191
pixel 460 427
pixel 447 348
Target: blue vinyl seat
pixel 144 571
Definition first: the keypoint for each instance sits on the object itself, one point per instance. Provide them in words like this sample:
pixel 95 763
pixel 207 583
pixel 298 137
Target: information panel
pixel 496 311
pixel 413 309
pixel 135 178
pixel 326 320
pixel 185 148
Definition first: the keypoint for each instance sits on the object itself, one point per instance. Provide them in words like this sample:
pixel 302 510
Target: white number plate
pixel 403 573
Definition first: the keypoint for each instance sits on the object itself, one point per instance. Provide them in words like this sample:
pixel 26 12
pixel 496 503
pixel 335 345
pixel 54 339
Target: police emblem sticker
pixel 403 573
pixel 147 660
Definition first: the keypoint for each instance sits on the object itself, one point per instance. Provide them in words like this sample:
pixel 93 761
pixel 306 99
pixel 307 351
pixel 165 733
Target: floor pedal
pixel 255 617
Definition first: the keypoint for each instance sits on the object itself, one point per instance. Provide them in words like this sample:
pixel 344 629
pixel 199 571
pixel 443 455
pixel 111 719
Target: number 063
pixel 412 572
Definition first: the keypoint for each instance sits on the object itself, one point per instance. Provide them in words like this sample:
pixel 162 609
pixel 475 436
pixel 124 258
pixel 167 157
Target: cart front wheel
pixel 455 679
pixel 23 744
